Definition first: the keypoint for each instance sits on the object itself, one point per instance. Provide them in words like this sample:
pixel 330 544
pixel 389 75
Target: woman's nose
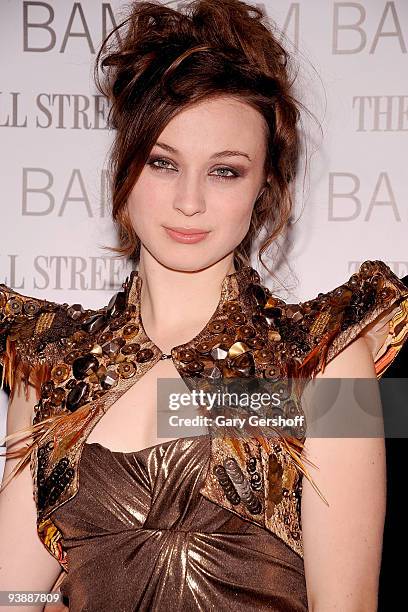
pixel 190 198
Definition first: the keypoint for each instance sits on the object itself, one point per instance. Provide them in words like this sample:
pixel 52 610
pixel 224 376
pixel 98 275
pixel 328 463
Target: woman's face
pixel 204 172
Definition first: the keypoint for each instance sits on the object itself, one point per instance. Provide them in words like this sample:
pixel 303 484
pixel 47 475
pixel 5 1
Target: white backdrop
pixel 54 142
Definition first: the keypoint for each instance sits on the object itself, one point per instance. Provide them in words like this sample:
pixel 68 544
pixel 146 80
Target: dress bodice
pixel 140 536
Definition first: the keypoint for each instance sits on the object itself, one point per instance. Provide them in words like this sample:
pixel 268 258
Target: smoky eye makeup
pixel 161 164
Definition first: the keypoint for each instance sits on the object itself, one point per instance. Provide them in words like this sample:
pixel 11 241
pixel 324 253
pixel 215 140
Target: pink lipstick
pixel 186 235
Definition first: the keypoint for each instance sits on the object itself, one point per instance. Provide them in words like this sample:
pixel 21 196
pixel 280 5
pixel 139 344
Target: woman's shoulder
pixel 33 332
pixel 372 302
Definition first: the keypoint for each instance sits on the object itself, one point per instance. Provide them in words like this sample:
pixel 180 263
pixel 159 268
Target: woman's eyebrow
pixel 225 153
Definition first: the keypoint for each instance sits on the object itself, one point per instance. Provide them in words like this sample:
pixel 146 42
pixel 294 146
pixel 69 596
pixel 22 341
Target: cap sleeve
pixel 372 303
pixel 27 332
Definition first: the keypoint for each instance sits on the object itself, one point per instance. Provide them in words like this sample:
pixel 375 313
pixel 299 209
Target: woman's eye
pixel 233 174
pixel 154 161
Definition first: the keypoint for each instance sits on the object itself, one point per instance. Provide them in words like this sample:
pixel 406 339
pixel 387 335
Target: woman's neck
pixel 176 305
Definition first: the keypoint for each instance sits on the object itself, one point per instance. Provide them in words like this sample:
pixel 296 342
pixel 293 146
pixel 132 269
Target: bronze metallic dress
pixel 197 523
pixel 140 536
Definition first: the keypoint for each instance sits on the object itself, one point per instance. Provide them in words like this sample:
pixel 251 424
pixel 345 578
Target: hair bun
pixel 150 44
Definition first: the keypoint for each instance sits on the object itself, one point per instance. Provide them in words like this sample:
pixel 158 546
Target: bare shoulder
pixel 353 361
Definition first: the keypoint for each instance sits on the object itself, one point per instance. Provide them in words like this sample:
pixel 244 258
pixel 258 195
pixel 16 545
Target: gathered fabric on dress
pixel 140 536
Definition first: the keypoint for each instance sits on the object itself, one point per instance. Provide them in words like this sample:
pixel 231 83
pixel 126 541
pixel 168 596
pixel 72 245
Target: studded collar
pixel 239 289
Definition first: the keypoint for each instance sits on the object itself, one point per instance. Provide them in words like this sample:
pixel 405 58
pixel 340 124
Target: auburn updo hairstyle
pixel 159 60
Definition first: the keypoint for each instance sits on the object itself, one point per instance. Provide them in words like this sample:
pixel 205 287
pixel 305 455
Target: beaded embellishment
pixel 80 361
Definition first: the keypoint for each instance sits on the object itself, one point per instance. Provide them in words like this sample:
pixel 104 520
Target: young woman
pixel 204 157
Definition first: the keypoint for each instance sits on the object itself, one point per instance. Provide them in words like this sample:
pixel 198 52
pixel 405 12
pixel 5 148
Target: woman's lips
pixel 185 238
